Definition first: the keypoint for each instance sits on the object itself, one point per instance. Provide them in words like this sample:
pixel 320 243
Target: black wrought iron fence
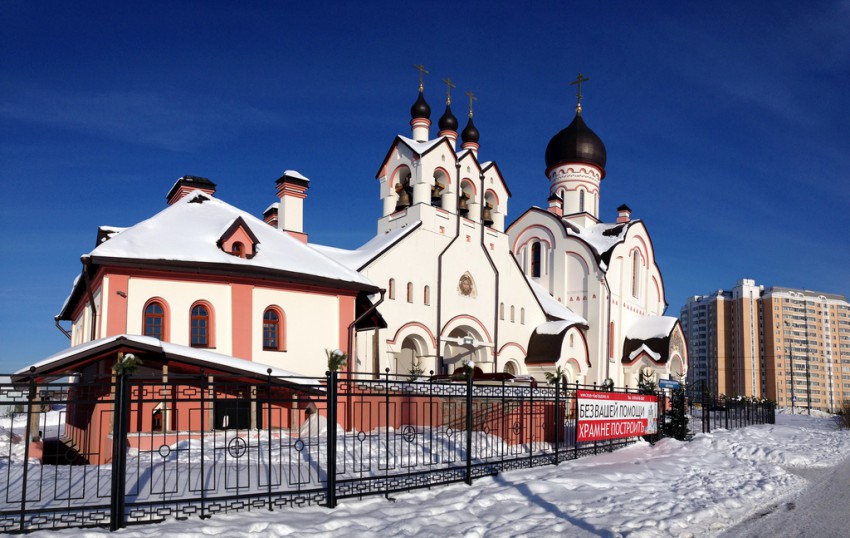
pixel 112 451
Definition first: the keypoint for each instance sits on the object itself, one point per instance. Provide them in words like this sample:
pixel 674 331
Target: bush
pixel 844 414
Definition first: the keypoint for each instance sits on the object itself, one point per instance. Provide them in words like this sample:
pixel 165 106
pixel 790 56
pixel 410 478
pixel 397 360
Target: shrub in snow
pixel 844 414
pixel 336 359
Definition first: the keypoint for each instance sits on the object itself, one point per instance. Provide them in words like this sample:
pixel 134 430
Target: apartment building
pixel 789 345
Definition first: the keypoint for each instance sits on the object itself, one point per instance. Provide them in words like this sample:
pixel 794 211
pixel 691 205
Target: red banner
pixel 612 415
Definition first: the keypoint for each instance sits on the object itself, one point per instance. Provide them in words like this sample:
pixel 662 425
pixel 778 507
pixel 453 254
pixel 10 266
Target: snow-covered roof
pixel 188 231
pixel 553 308
pixel 201 357
pixel 602 238
pixel 275 205
pixel 295 174
pixel 359 258
pixel 421 147
pixel 647 327
pixel 553 327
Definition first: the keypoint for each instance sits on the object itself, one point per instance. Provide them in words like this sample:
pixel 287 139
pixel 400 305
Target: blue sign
pixel 668 384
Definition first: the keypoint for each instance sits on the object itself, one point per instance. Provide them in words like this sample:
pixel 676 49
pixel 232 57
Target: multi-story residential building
pixel 789 345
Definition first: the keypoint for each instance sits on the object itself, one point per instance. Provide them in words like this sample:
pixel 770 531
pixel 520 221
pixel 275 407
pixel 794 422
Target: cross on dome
pixel 471 99
pixel 449 86
pixel 577 82
pixel 422 72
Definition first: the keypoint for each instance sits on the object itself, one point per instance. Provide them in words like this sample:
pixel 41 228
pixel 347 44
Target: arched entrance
pixel 463 344
pixel 408 360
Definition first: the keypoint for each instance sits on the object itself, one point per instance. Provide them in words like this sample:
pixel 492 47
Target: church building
pixel 445 282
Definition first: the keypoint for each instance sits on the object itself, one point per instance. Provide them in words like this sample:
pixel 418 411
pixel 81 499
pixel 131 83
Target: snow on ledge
pixel 201 357
pixel 643 349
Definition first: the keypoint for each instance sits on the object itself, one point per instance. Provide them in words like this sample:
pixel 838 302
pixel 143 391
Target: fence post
pixel 204 390
pixel 530 427
pixel 387 430
pixel 27 440
pixel 575 428
pixel 469 427
pixel 331 438
pixel 119 453
pixel 558 421
pixel 269 426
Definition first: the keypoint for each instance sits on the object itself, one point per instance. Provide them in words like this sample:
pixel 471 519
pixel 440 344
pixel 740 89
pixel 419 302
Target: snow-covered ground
pixel 699 488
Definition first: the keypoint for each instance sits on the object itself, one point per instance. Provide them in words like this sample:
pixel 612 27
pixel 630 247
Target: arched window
pixel 581 200
pixel 201 325
pixel 274 330
pixel 572 340
pixel 512 314
pixel 522 316
pixel 611 341
pixel 510 368
pixel 154 322
pixel 636 269
pixel 535 259
pixel 238 249
pixel 410 292
pixel 427 295
pixel 391 288
pixel 501 310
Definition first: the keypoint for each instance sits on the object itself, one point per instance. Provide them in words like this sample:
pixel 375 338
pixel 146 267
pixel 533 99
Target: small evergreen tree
pixel 416 369
pixel 336 359
pixel 559 373
pixel 127 363
pixel 677 427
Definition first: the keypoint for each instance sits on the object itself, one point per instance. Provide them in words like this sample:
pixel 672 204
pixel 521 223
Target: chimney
pixel 292 190
pixel 187 184
pixel 270 215
pixel 624 214
pixel 556 205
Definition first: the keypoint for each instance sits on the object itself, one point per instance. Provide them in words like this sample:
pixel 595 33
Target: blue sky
pixel 727 124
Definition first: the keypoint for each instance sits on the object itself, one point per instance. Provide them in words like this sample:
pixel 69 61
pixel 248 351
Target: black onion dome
pixel 420 108
pixel 576 144
pixel 448 122
pixel 470 133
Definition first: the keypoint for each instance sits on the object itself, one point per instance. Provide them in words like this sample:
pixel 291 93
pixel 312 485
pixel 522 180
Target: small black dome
pixel 448 122
pixel 420 108
pixel 470 133
pixel 576 144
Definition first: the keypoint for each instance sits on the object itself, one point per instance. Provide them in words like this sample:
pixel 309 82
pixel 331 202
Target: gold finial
pixel 577 82
pixel 471 99
pixel 449 87
pixel 422 71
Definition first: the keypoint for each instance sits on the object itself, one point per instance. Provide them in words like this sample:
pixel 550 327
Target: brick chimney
pixel 556 205
pixel 187 184
pixel 270 215
pixel 292 190
pixel 624 214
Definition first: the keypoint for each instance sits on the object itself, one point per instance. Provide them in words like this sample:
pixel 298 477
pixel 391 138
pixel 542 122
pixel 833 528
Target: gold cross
pixel 422 71
pixel 579 79
pixel 471 99
pixel 449 87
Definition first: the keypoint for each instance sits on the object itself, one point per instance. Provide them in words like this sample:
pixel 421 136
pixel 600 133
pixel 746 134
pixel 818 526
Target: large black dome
pixel 576 144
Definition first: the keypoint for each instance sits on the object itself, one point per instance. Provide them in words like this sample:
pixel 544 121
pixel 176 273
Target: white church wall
pixel 311 325
pixel 180 295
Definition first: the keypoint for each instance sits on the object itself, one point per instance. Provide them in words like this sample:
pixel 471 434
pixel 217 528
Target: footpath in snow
pixel 700 488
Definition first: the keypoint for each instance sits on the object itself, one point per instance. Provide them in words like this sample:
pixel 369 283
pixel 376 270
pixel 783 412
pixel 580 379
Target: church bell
pixel 403 197
pixel 487 215
pixel 462 206
pixel 436 191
